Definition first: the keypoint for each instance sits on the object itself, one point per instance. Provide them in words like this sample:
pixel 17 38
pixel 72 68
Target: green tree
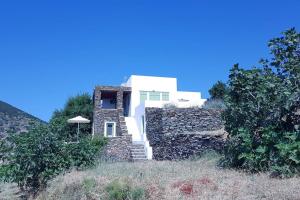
pixel 218 90
pixel 31 159
pixel 79 105
pixel 261 116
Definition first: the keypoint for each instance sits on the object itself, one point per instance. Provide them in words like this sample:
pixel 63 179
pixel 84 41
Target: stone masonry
pixel 119 147
pixel 115 115
pixel 178 133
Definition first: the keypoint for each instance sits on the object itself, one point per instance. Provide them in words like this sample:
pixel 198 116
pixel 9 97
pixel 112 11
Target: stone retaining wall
pixel 118 149
pixel 178 133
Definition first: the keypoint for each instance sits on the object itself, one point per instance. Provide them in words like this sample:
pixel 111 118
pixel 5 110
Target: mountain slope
pixel 14 120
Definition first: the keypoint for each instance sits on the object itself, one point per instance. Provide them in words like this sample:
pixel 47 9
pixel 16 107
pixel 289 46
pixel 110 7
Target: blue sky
pixel 50 50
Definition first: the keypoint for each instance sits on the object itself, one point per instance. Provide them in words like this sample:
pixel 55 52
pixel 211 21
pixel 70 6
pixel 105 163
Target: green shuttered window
pixel 154 96
pixel 143 96
pixel 165 96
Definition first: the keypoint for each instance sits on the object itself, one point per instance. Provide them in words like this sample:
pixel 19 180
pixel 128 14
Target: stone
pixel 179 133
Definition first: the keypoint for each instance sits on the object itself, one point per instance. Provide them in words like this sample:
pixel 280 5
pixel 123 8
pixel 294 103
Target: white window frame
pixel 114 129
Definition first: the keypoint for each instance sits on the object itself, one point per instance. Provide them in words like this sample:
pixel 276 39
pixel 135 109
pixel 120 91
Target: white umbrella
pixel 78 120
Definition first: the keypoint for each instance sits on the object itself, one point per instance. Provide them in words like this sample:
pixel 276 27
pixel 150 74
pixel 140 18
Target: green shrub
pixel 34 158
pixel 124 191
pixel 261 111
pixel 85 152
pixel 31 159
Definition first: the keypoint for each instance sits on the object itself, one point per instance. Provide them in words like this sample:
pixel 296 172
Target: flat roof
pixel 112 88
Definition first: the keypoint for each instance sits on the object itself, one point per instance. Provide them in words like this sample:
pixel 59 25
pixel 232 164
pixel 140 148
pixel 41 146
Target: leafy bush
pixel 123 191
pixel 261 115
pixel 85 152
pixel 31 159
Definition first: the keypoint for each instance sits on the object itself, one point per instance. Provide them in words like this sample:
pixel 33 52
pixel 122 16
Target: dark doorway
pixel 108 100
pixel 126 103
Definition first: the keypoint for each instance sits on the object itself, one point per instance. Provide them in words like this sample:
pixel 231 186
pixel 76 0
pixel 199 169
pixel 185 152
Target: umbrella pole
pixel 78 133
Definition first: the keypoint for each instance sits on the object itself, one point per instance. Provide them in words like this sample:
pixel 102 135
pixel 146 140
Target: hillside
pixel 15 120
pixel 167 180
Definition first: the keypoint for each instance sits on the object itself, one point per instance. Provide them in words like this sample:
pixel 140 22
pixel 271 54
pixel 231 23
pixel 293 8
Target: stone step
pixel 139 159
pixel 138 155
pixel 138 152
pixel 137 145
pixel 137 148
pixel 121 118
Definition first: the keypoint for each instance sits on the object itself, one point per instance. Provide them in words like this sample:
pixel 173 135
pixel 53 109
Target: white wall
pixel 137 108
pixel 188 95
pixel 149 83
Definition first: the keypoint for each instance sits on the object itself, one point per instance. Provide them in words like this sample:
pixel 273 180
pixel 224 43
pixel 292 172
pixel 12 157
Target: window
pixel 143 96
pixel 110 129
pixel 165 96
pixel 154 96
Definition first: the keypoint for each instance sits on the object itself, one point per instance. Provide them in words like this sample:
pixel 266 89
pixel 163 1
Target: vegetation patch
pixel 33 158
pixel 169 180
pixel 262 111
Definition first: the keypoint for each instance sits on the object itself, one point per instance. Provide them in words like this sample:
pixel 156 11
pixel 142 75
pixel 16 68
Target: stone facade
pixel 118 149
pixel 110 115
pixel 178 133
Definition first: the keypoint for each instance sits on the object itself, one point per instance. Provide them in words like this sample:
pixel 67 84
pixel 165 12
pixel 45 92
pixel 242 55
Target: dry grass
pixel 9 191
pixel 199 179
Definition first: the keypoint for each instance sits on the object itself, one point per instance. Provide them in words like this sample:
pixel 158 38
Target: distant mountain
pixel 14 120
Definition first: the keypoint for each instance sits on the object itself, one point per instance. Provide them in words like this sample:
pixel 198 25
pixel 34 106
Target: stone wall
pixel 178 133
pixel 118 149
pixel 106 115
pixel 100 116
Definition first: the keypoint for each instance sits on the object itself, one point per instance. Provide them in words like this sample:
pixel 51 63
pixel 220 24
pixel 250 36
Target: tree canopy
pixel 78 105
pixel 262 115
pixel 218 90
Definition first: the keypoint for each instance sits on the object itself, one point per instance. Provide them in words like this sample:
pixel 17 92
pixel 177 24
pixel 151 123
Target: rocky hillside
pixel 14 120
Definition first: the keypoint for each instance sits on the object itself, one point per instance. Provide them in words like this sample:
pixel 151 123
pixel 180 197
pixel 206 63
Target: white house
pixel 132 98
pixel 152 91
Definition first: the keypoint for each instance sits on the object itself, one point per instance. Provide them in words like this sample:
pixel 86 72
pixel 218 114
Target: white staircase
pixel 140 148
pixel 133 129
pixel 138 152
